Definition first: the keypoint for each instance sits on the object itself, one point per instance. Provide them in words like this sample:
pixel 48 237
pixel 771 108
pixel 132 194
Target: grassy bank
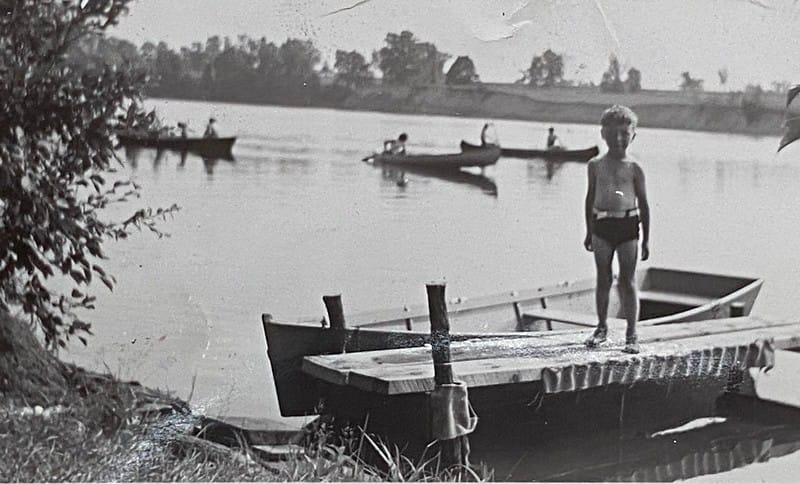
pixel 61 423
pixel 715 112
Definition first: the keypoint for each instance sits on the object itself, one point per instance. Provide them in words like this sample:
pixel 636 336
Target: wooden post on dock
pixel 333 304
pixel 454 451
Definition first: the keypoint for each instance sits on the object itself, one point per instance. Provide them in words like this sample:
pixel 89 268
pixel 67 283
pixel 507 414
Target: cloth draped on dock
pixel 628 370
pixel 451 414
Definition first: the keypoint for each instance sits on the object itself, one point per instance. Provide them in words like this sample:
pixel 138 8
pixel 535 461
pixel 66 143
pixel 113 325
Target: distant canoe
pixel 551 155
pixel 479 156
pixel 203 146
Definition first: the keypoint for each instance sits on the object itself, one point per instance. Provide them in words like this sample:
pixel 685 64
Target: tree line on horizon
pixel 293 73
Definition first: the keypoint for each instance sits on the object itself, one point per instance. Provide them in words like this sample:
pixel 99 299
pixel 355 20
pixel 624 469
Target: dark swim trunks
pixel 615 231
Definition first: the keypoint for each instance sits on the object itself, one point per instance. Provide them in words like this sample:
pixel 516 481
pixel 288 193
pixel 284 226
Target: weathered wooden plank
pixel 334 368
pixel 417 375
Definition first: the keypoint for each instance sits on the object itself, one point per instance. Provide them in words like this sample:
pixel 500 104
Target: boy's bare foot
pixel 631 345
pixel 597 338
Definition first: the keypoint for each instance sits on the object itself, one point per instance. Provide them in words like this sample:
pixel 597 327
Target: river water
pixel 297 215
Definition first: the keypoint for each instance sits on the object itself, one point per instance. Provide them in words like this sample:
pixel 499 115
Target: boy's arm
pixel 644 209
pixel 589 204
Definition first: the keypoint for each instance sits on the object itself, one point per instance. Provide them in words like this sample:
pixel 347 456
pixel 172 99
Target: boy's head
pixel 551 129
pixel 403 137
pixel 618 128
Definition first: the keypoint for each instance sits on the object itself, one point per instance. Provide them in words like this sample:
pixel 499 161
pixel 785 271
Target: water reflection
pixel 750 431
pixel 134 155
pixel 550 169
pixel 400 177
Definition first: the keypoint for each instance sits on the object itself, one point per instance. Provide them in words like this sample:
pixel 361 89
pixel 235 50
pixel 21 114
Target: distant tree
pixel 612 77
pixel 690 84
pixel 633 83
pixel 351 69
pixel 546 70
pixel 752 103
pixel 57 124
pixel 405 60
pixel 723 76
pixel 167 69
pixel 462 72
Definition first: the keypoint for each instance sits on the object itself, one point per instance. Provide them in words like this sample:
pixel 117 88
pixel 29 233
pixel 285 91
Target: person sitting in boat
pixel 210 132
pixel 552 139
pixel 396 147
pixel 488 135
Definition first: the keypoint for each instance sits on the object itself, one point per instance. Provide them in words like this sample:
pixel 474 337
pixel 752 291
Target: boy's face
pixel 618 136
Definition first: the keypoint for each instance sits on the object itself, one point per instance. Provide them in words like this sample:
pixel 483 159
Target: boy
pixel 616 203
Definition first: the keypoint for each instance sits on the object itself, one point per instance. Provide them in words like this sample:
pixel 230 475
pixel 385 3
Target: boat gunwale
pixel 368 320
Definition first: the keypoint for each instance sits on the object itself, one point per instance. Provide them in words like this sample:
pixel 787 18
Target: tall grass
pixel 60 423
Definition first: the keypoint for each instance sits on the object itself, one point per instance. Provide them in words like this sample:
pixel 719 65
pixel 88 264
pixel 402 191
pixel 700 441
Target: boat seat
pixel 673 298
pixel 569 317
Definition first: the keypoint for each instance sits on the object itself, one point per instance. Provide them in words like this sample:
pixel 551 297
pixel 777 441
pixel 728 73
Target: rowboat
pixel 480 156
pixel 666 296
pixel 212 147
pixel 554 154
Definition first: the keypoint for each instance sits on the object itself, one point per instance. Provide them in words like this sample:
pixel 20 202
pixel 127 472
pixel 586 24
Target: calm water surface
pixel 297 215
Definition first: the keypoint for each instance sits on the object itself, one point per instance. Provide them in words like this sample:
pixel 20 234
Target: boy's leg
pixel 627 254
pixel 603 257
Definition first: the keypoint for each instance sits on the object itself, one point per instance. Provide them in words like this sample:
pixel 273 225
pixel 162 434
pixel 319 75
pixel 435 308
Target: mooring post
pixel 737 309
pixel 333 304
pixel 454 451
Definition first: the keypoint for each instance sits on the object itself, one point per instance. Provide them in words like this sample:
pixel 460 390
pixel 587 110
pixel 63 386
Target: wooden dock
pixel 562 363
pixel 682 369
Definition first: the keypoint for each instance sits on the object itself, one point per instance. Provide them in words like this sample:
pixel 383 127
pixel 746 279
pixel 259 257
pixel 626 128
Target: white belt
pixel 631 212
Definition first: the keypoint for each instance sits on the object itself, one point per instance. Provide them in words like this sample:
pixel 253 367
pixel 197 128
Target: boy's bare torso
pixel 614 184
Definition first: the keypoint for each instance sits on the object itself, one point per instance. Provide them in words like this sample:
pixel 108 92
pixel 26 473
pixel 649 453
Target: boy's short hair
pixel 619 114
pixel 402 137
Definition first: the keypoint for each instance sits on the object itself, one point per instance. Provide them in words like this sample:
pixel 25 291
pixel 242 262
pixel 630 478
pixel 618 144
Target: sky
pixel 755 41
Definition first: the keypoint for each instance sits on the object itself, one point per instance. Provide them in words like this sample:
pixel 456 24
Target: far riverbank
pixel 722 112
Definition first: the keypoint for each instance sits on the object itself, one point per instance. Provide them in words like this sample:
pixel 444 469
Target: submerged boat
pixel 554 154
pixel 203 146
pixel 481 156
pixel 666 296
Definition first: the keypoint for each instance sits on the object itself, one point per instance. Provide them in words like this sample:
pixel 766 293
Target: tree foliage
pixel 546 70
pixel 352 69
pixel 462 72
pixel 633 83
pixel 56 153
pixel 612 77
pixel 407 61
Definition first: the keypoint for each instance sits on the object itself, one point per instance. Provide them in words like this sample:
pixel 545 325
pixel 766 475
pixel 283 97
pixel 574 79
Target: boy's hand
pixel 587 242
pixel 645 251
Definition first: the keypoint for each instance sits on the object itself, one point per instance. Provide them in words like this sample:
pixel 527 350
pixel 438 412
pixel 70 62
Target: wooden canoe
pixel 666 296
pixel 203 146
pixel 480 157
pixel 550 155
